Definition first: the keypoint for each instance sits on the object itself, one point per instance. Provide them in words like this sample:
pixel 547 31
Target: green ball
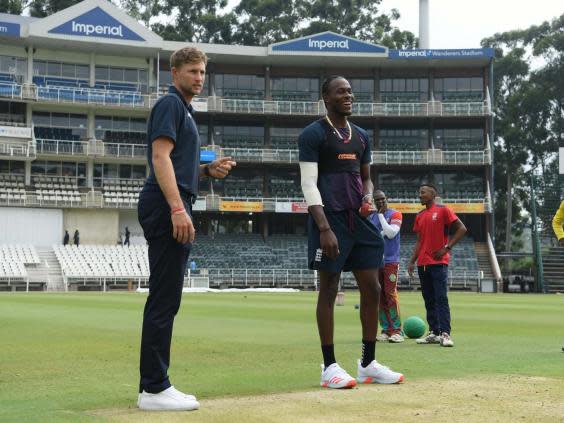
pixel 414 327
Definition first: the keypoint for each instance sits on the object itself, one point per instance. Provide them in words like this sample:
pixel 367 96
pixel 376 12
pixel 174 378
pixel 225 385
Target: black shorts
pixel 360 244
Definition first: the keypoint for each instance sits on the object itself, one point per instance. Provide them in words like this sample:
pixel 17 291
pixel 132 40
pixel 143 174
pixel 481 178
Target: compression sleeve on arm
pixel 308 171
pixel 389 230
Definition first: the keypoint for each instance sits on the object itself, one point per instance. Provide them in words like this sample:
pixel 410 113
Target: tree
pixel 529 117
pixel 43 8
pixel 14 7
pixel 203 21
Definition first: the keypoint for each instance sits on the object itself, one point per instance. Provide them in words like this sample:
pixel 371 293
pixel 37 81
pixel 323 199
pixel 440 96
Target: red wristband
pixel 178 210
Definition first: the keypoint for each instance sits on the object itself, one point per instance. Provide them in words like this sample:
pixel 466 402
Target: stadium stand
pixel 13 259
pixel 103 267
pixel 122 192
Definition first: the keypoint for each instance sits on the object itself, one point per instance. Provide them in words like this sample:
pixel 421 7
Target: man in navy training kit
pixel 165 214
pixel 431 251
pixel 388 222
pixel 335 178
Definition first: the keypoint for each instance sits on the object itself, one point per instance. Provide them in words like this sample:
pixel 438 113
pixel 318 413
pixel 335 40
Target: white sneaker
pixel 396 338
pixel 383 337
pixel 170 399
pixel 335 377
pixel 446 340
pixel 431 338
pixel 377 373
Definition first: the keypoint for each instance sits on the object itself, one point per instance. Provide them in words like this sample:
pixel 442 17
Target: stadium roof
pixel 99 26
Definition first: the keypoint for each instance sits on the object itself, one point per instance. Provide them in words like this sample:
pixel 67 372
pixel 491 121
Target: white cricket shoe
pixel 396 338
pixel 377 373
pixel 170 399
pixel 446 340
pixel 336 378
pixel 383 337
pixel 431 338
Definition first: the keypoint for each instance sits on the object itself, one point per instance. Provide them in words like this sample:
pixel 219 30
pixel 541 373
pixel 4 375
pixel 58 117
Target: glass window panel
pixel 78 121
pixel 41 118
pixel 83 72
pixel 68 169
pixel 5 167
pixel 53 168
pixel 245 82
pixel 98 170
pixel 463 84
pixel 131 75
pixel 143 76
pixel 103 122
pixel 17 168
pixel 102 73
pixel 60 120
pixel 110 171
pixel 116 74
pixel 125 171
pixel 138 172
pixel 68 70
pixel 39 67
pixel 81 170
pixel 139 124
pixel 450 84
pixel 121 123
pixel 230 81
pixel 54 68
pixel 38 167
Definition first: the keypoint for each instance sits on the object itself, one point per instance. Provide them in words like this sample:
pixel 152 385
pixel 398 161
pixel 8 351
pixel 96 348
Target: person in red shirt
pixel 431 252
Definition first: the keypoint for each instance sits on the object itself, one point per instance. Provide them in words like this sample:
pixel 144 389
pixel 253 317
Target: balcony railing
pixel 134 151
pixel 62 147
pixel 18 150
pixel 256 155
pixel 75 95
pixel 434 156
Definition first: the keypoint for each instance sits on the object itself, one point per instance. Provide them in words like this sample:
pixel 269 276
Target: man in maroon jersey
pixel 431 252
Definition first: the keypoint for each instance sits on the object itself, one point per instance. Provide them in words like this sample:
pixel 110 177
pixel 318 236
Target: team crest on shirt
pixel 434 216
pixel 392 277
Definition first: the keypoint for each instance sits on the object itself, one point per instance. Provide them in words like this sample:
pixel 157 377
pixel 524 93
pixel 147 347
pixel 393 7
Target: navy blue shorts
pixel 360 244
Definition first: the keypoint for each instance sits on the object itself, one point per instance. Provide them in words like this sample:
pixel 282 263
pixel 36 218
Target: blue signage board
pixel 96 23
pixel 327 42
pixel 207 155
pixel 10 29
pixel 467 53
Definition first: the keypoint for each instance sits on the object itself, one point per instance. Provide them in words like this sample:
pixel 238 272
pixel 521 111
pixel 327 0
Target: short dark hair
pixel 327 82
pixel 430 185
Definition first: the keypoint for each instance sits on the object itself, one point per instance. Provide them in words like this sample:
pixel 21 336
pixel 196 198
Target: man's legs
pixel 369 288
pixel 428 292
pixel 389 301
pixel 328 287
pixel 167 261
pixel 439 275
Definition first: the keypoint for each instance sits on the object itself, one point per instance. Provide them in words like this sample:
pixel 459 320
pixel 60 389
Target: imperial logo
pixel 87 29
pixel 412 53
pixel 322 44
pixel 3 29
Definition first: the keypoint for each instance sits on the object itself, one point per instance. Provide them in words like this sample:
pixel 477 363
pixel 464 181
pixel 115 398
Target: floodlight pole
pixel 536 238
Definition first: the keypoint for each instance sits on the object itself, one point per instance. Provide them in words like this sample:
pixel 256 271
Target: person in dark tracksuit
pixel 431 252
pixel 165 214
pixel 334 164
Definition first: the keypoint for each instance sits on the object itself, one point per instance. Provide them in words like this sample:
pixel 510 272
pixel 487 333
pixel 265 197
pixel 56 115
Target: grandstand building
pixel 76 89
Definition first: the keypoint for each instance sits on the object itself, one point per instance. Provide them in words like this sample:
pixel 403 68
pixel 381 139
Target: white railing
pixel 261 155
pixel 25 149
pixel 135 100
pixel 134 151
pixel 431 156
pixel 262 278
pixel 62 147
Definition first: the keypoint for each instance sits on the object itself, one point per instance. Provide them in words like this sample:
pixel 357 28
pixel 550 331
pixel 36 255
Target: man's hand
pixel 410 268
pixel 437 255
pixel 561 242
pixel 182 228
pixel 219 169
pixel 329 244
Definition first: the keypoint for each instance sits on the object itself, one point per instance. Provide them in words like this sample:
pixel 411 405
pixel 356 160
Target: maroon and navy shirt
pixel 432 225
pixel 339 162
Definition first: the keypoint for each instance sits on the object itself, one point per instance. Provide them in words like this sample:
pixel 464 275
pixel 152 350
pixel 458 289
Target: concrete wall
pixel 41 227
pixel 94 225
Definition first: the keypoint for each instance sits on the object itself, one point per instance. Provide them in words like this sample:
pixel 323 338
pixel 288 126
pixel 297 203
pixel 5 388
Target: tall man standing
pixel 165 209
pixel 431 252
pixel 335 179
pixel 388 222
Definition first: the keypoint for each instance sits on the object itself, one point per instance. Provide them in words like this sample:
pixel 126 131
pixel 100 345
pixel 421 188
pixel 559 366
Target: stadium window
pixel 102 73
pixel 54 68
pixel 138 172
pixel 68 71
pixel 125 171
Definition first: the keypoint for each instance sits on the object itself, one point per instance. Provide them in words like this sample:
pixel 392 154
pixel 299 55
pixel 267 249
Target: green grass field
pixel 65 356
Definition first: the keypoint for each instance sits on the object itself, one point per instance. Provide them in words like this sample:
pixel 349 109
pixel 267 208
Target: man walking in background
pixel 388 223
pixel 165 214
pixel 431 252
pixel 335 178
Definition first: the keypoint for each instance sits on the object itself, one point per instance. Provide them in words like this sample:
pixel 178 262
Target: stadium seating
pixel 9 86
pixel 12 188
pixel 239 187
pixel 96 264
pixel 13 259
pixel 56 189
pixel 122 192
pixel 124 137
pixel 284 188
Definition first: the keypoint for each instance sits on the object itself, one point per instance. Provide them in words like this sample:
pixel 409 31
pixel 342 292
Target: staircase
pixel 483 256
pixel 553 266
pixel 48 271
